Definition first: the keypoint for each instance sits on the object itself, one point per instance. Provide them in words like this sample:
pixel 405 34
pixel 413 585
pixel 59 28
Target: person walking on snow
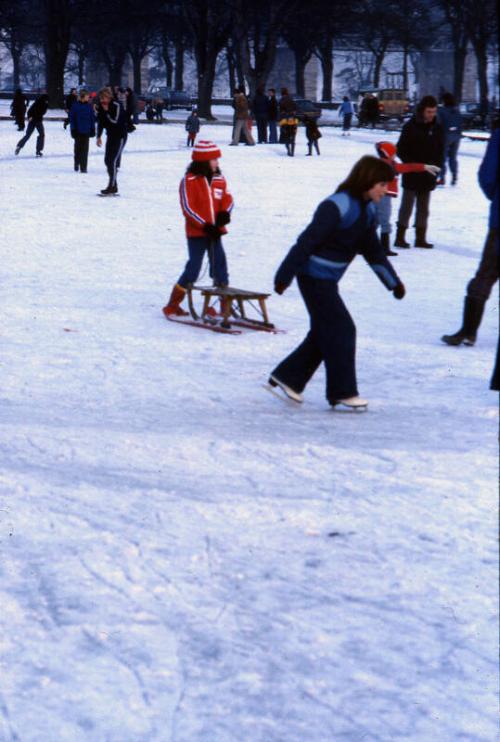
pixel 387 152
pixel 36 112
pixel 206 204
pixel 421 140
pixel 112 117
pixel 451 121
pixel 312 134
pixel 272 115
pixel 343 226
pixel 487 274
pixel 261 112
pixel 82 126
pixel 192 127
pixel 242 114
pixel 346 110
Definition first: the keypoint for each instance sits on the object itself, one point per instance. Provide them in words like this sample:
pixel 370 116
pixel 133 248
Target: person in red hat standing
pixel 206 204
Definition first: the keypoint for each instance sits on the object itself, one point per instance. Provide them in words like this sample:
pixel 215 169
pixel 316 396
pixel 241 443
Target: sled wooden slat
pixel 233 304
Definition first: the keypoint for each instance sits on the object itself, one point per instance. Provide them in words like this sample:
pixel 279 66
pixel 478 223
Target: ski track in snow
pixel 183 557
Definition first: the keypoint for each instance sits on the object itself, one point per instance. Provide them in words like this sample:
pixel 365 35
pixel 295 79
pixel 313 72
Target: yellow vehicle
pixel 393 103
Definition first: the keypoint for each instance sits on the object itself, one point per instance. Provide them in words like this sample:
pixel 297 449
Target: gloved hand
pixel 222 218
pixel 212 231
pixel 399 291
pixel 432 169
pixel 280 288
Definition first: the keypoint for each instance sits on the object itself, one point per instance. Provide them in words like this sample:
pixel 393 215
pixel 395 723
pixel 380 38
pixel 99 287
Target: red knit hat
pixel 204 151
pixel 386 149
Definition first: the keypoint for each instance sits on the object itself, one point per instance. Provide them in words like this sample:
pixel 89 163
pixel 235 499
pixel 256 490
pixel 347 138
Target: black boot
pixel 384 239
pixel 400 237
pixel 473 314
pixel 420 240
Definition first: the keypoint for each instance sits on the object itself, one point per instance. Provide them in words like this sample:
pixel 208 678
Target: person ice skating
pixel 112 117
pixel 206 204
pixel 272 116
pixel 69 101
pixel 343 225
pixel 346 110
pixel 242 115
pixel 312 134
pixel 479 288
pixel 18 108
pixel 288 133
pixel 192 127
pixel 387 152
pixel 451 121
pixel 82 126
pixel 36 112
pixel 421 140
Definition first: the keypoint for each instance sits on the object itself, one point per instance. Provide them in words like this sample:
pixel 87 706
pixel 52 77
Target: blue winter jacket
pixel 82 119
pixel 342 227
pixel 488 177
pixel 346 107
pixel 451 121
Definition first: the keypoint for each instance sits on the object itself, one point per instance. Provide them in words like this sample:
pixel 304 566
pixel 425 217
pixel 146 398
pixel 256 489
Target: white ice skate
pixel 288 391
pixel 351 404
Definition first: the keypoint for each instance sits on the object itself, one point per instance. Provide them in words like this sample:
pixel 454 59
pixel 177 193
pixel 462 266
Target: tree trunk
pixel 136 63
pixel 405 68
pixel 179 65
pixel 15 53
pixel 57 40
pixel 325 54
pixel 379 59
pixel 459 55
pixel 169 67
pixel 482 74
pixel 206 75
pixel 300 67
pixel 81 67
pixel 231 69
pixel 116 69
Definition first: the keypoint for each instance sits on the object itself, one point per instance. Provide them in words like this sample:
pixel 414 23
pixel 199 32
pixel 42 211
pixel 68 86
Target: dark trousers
pixel 261 130
pixel 331 339
pixel 81 151
pixel 346 122
pixel 406 208
pixel 190 139
pixel 312 143
pixel 40 140
pixel 487 273
pixel 20 121
pixel 112 156
pixel 450 156
pixel 273 132
pixel 197 247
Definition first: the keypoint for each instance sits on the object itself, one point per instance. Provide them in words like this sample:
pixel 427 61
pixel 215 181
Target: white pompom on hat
pixel 204 151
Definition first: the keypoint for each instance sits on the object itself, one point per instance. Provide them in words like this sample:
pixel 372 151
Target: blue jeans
pixel 197 247
pixel 331 339
pixel 346 122
pixel 273 132
pixel 450 154
pixel 384 208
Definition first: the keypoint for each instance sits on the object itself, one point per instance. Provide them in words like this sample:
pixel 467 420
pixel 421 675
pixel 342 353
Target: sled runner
pixel 232 309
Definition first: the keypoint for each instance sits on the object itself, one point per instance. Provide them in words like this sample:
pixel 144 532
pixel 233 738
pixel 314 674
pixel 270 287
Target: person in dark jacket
pixel 451 121
pixel 421 140
pixel 36 112
pixel 82 124
pixel 343 226
pixel 18 108
pixel 112 117
pixel 369 110
pixel 132 106
pixel 260 112
pixel 192 127
pixel 487 274
pixel 286 105
pixel 272 116
pixel 313 134
pixel 69 101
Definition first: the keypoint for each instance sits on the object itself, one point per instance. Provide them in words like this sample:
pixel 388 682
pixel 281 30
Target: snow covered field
pixel 185 558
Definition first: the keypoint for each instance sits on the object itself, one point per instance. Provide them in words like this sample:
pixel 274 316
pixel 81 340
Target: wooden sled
pixel 233 307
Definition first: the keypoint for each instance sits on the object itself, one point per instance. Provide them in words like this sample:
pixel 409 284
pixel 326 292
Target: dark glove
pixel 212 231
pixel 222 218
pixel 399 291
pixel 280 288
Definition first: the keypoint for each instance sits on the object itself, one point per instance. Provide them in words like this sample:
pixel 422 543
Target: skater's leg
pixel 76 152
pixel 40 140
pixel 316 147
pixel 197 247
pixel 29 132
pixel 487 273
pixel 454 162
pixel 84 153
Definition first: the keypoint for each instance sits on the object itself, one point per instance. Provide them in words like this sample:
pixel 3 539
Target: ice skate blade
pixel 351 404
pixel 280 394
pixel 290 393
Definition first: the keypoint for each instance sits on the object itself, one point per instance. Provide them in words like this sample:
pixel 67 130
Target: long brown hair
pixel 365 173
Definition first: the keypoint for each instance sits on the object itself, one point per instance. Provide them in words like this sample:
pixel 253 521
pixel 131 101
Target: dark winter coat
pixel 488 177
pixel 451 121
pixel 260 106
pixel 38 109
pixel 82 119
pixel 241 107
pixel 70 99
pixel 193 124
pixel 114 120
pixel 342 227
pixel 312 131
pixel 272 109
pixel 420 142
pixel 19 105
pixel 287 106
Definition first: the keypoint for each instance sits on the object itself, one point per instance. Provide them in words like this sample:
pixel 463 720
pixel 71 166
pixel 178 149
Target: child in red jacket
pixel 387 152
pixel 206 205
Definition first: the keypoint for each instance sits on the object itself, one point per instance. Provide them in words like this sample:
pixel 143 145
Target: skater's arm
pixel 374 255
pixel 325 220
pixel 488 170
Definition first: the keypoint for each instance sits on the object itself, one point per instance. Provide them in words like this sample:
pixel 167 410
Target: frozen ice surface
pixel 183 558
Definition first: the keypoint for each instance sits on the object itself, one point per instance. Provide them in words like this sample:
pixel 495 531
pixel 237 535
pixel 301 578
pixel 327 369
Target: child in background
pixel 192 127
pixel 82 126
pixel 313 134
pixel 387 152
pixel 346 110
pixel 288 132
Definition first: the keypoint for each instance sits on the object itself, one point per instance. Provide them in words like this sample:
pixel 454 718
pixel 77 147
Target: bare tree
pixel 482 24
pixel 455 13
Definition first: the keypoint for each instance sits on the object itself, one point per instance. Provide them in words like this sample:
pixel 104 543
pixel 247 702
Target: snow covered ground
pixel 185 558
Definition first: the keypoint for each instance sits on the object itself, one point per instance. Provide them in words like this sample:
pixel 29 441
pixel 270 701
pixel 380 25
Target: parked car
pixel 306 109
pixel 393 103
pixel 171 98
pixel 472 117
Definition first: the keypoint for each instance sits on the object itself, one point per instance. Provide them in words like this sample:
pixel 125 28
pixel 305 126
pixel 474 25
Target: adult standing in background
pixel 36 112
pixel 18 108
pixel 70 99
pixel 82 124
pixel 261 111
pixel 272 116
pixel 346 110
pixel 112 117
pixel 242 115
pixel 421 140
pixel 287 105
pixel 451 121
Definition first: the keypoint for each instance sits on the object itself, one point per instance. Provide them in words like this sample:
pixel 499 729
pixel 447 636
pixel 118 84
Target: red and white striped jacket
pixel 201 201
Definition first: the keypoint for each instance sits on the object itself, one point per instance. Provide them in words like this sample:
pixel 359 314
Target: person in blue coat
pixel 82 127
pixel 451 121
pixel 346 110
pixel 480 286
pixel 343 226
